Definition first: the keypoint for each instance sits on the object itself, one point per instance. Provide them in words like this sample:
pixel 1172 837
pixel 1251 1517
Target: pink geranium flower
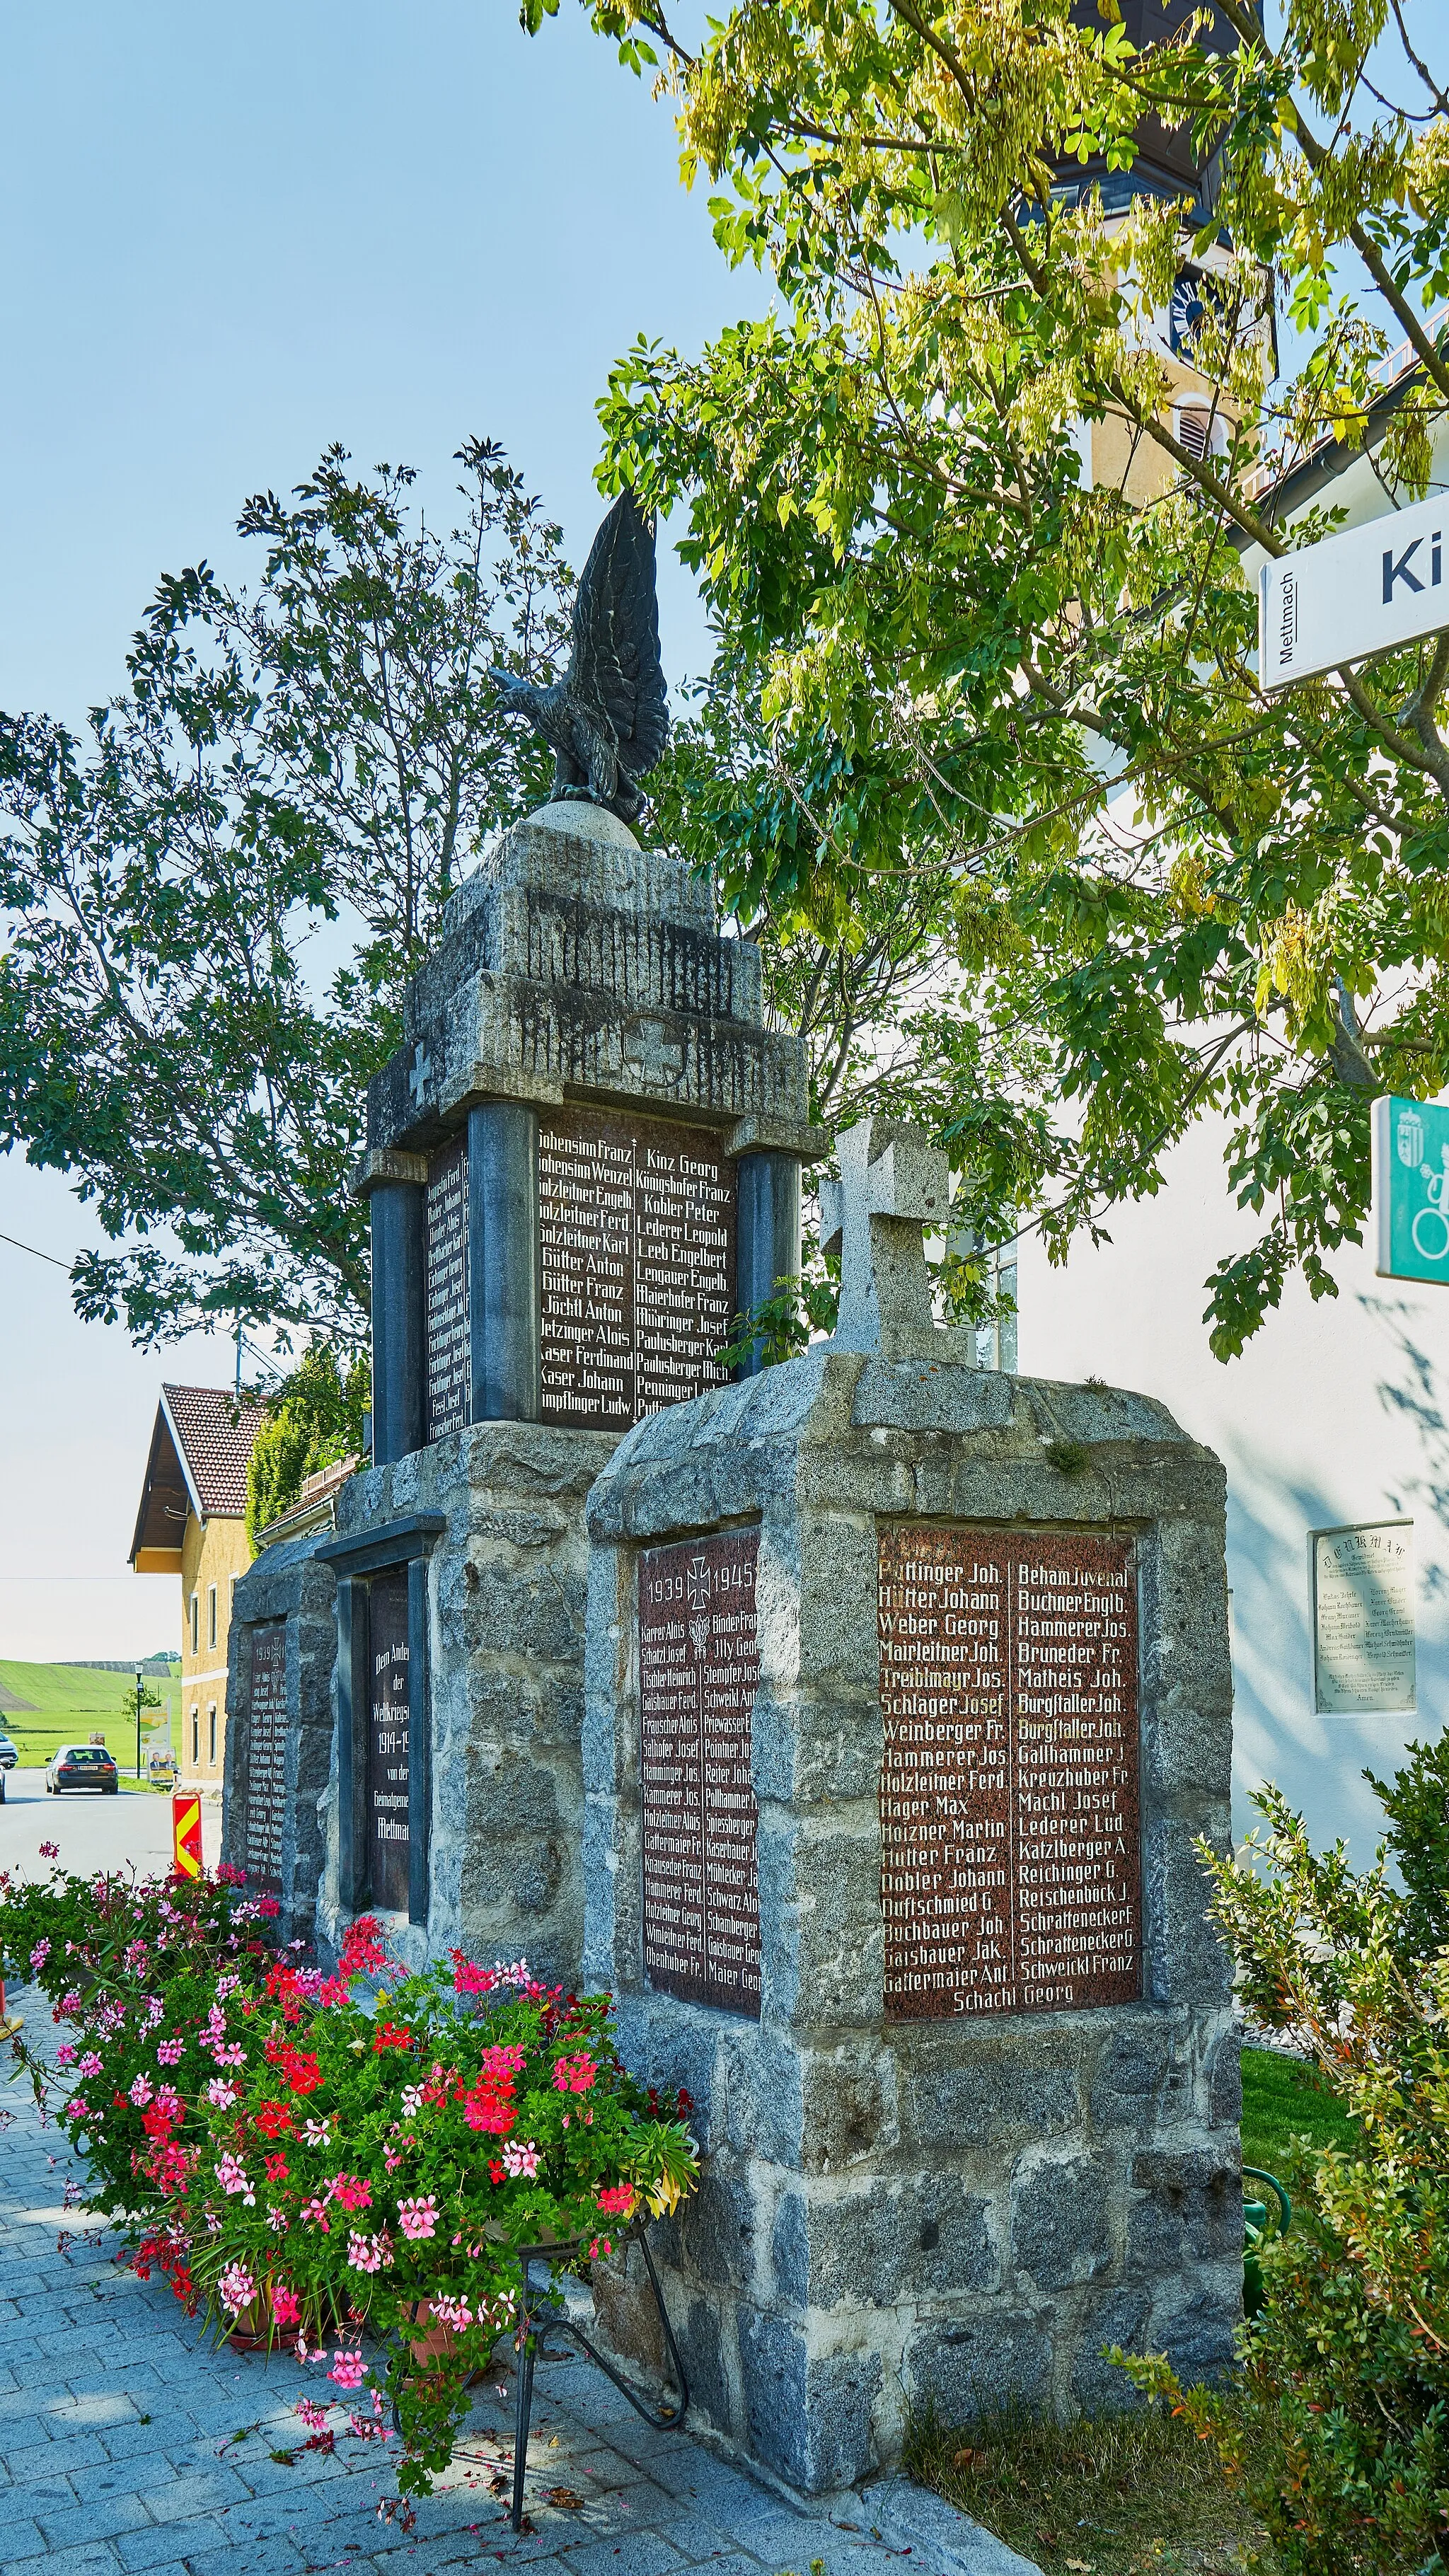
pixel 617 2200
pixel 237 2288
pixel 286 2306
pixel 418 2218
pixel 574 2074
pixel 350 2192
pixel 519 2158
pixel 347 2369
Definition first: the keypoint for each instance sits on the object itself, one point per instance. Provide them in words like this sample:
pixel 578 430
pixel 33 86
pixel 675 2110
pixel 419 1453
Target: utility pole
pixel 140 1686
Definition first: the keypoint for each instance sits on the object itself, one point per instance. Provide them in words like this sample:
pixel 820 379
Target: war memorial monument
pixel 852 1720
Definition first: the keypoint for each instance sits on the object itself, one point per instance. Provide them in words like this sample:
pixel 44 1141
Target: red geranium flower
pixel 274 2119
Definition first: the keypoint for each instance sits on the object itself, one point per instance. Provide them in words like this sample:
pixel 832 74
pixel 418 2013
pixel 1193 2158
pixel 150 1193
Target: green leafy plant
pixel 971 680
pixel 1345 2379
pixel 131 1967
pixel 379 2170
pixel 314 1420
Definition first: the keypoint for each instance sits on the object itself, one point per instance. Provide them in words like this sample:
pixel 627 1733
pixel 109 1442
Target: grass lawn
pixel 1128 2495
pixel 1283 2101
pixel 43 1706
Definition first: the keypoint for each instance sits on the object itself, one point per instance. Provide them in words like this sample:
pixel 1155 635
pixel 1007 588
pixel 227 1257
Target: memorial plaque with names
pixel 698 1668
pixel 449 1345
pixel 1011 1877
pixel 1363 1618
pixel 637 1265
pixel 266 1788
pixel 387 1740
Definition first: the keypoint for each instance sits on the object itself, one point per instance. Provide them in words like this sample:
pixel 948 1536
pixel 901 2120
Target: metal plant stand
pixel 662 2419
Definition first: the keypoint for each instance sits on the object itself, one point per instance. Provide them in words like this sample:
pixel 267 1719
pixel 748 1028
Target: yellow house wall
pixel 213 1552
pixel 1125 460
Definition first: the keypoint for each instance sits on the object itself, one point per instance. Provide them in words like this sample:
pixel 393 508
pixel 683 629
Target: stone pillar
pixel 503 1260
pixel 768 1234
pixel 399 1347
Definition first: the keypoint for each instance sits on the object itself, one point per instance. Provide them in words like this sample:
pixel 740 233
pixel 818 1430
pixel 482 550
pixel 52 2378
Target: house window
pixel 195 1737
pixel 211 1616
pixel 211 1732
pixel 195 1623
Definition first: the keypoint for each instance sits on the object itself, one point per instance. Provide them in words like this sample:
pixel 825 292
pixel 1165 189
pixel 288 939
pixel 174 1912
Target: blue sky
pixel 231 237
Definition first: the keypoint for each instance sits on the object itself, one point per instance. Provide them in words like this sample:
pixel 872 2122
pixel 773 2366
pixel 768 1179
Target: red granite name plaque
pixel 387 1740
pixel 1011 1876
pixel 450 1373
pixel 266 1781
pixel 636 1262
pixel 698 1669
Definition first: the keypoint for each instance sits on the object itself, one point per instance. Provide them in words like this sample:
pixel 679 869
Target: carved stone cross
pixel 893 1187
pixel 649 1049
pixel 418 1078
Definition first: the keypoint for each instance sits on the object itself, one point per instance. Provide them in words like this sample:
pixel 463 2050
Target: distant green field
pixel 45 1705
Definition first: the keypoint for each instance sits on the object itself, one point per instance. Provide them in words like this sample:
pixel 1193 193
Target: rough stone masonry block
pixel 962 2205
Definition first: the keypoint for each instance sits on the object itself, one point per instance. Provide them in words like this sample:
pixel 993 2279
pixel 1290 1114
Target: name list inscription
pixel 450 1373
pixel 637 1264
pixel 698 1669
pixel 387 1740
pixel 267 1754
pixel 1011 1878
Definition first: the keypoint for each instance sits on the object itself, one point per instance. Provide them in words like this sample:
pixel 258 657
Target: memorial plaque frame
pixel 266 1788
pixel 700 1909
pixel 396 1546
pixel 1010 1813
pixel 620 1319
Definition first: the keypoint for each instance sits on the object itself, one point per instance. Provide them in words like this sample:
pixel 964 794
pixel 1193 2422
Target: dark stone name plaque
pixel 1011 1875
pixel 387 1740
pixel 449 1347
pixel 637 1264
pixel 266 1787
pixel 698 1668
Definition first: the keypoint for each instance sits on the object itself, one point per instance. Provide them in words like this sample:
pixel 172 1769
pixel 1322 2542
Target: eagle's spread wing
pixel 615 664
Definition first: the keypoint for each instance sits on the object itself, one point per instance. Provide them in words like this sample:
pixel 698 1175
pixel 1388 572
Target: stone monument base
pixel 971 2114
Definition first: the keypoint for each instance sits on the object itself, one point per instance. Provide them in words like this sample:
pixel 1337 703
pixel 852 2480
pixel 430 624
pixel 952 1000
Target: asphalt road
pixel 93 1832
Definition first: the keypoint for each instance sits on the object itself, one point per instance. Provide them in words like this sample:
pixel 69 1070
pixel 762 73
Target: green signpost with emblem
pixel 1411 1189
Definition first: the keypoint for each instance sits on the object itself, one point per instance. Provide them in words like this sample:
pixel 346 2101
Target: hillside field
pixel 45 1705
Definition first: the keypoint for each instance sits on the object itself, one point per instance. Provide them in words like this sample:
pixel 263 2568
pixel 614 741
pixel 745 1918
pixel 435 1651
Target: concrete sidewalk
pixel 130 2447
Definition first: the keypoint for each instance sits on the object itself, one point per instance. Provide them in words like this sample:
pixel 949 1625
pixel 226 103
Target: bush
pixel 315 1419
pixel 1346 2367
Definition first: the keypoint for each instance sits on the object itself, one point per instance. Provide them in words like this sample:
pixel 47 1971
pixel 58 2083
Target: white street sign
pixel 1360 593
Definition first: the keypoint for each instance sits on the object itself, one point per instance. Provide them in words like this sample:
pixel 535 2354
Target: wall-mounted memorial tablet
pixel 699 1667
pixel 637 1265
pixel 388 1659
pixel 1011 1872
pixel 448 1340
pixel 266 1772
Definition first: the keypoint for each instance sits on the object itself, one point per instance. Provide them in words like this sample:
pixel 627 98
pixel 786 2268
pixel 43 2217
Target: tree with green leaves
pixel 314 1419
pixel 1026 701
pixel 213 901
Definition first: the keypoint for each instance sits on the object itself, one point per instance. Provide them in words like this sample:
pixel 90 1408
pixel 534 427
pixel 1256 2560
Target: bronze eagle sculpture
pixel 607 719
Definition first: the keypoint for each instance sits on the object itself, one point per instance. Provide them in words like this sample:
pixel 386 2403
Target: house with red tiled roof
pixel 192 1522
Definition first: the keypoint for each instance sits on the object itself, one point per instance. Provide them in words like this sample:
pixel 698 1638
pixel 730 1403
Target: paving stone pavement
pixel 130 2446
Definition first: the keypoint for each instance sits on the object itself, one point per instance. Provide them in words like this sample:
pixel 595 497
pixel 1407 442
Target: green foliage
pixel 314 1419
pixel 1345 2383
pixel 309 763
pixel 977 702
pixel 1416 1802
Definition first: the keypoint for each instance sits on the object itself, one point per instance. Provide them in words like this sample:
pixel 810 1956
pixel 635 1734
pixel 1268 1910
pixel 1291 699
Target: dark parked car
pixel 9 1754
pixel 82 1766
